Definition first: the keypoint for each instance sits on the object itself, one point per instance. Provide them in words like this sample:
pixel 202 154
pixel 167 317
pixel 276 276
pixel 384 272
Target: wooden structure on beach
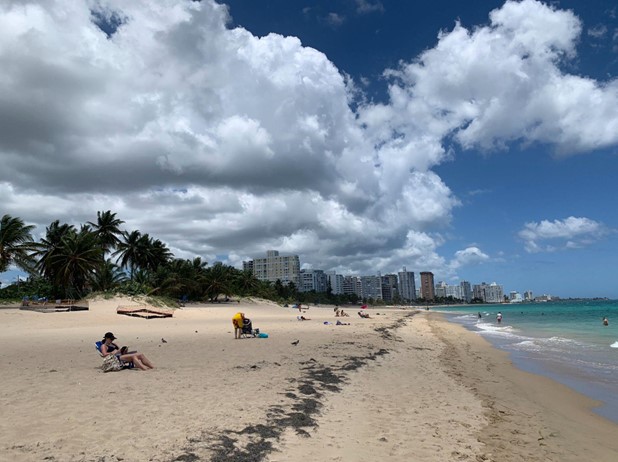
pixel 144 311
pixel 58 307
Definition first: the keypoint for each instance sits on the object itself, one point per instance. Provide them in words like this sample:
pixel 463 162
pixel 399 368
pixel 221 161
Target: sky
pixel 477 140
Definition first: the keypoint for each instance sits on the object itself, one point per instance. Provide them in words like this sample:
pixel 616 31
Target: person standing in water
pixel 499 317
pixel 605 321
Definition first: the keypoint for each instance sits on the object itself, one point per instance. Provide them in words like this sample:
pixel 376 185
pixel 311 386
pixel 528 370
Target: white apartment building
pixel 445 290
pixel 276 267
pixel 489 293
pixel 466 291
pixel 371 287
pixel 312 280
pixel 335 281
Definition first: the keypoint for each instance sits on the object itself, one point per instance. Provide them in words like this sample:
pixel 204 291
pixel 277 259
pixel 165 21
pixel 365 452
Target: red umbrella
pixel 363 307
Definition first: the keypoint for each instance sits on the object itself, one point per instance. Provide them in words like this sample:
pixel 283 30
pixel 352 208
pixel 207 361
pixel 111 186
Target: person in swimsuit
pixel 110 348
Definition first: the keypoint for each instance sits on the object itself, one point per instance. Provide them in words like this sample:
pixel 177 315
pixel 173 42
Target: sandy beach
pixel 403 385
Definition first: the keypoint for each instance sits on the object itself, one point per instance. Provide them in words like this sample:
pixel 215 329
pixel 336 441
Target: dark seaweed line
pixel 314 382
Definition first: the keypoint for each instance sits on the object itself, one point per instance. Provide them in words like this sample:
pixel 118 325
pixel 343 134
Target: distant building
pixel 276 267
pixel 407 286
pixel 528 296
pixel 390 288
pixel 315 280
pixel 444 290
pixel 543 298
pixel 352 285
pixel 427 285
pixel 515 297
pixel 489 293
pixel 466 291
pixel 371 287
pixel 335 281
pixel 440 291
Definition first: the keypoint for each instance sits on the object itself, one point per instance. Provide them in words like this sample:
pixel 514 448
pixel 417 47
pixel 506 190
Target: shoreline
pixel 545 419
pixel 399 386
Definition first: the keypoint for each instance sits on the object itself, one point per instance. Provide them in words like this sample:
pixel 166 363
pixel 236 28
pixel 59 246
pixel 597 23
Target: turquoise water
pixel 564 340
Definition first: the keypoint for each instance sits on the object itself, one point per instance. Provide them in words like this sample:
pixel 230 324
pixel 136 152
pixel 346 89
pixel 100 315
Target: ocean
pixel 564 340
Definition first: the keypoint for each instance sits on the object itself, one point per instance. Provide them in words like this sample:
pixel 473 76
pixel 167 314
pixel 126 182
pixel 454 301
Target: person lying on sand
pixel 363 315
pixel 302 318
pixel 109 347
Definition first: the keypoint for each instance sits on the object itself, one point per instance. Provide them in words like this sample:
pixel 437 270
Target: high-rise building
pixel 407 286
pixel 371 287
pixel 312 280
pixel 489 293
pixel 427 285
pixel 445 290
pixel 275 268
pixel 494 293
pixel 466 291
pixel 441 287
pixel 335 281
pixel 389 287
pixel 352 285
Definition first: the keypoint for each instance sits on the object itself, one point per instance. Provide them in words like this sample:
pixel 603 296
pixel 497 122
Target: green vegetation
pixel 101 257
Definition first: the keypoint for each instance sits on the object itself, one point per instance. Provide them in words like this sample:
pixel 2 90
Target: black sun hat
pixel 109 335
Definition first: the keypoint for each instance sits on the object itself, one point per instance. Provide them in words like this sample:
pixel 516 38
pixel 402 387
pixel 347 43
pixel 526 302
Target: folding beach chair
pixel 125 365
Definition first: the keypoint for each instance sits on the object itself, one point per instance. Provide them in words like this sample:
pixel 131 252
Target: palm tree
pixel 156 254
pixel 107 276
pixel 107 229
pixel 218 280
pixel 48 247
pixel 128 251
pixel 140 251
pixel 15 242
pixel 246 283
pixel 76 261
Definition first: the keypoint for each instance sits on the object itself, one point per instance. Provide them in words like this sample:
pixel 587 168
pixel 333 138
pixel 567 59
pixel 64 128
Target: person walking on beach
pixel 499 317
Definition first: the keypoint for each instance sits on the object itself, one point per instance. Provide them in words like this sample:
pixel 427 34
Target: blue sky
pixel 477 139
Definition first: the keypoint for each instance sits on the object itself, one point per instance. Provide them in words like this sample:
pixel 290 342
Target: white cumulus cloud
pixel 224 144
pixel 572 232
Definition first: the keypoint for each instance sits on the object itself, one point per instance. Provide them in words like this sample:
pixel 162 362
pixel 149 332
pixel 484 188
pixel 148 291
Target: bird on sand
pixel 163 340
pixel 295 342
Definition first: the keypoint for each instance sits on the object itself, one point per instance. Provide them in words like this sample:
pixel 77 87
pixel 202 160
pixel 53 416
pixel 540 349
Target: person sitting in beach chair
pixel 108 347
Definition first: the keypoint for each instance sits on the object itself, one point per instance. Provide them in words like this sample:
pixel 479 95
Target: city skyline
pixel 286 269
pixel 476 141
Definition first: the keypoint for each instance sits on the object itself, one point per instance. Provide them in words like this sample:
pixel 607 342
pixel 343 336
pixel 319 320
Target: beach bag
pixel 111 363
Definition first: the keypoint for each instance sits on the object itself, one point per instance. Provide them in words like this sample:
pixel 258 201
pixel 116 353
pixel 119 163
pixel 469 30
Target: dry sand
pixel 400 386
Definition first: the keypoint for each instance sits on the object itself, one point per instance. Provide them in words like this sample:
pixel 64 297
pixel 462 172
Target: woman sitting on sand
pixel 109 347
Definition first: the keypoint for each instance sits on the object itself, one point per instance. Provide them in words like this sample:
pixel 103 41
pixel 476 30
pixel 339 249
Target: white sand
pixel 416 388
